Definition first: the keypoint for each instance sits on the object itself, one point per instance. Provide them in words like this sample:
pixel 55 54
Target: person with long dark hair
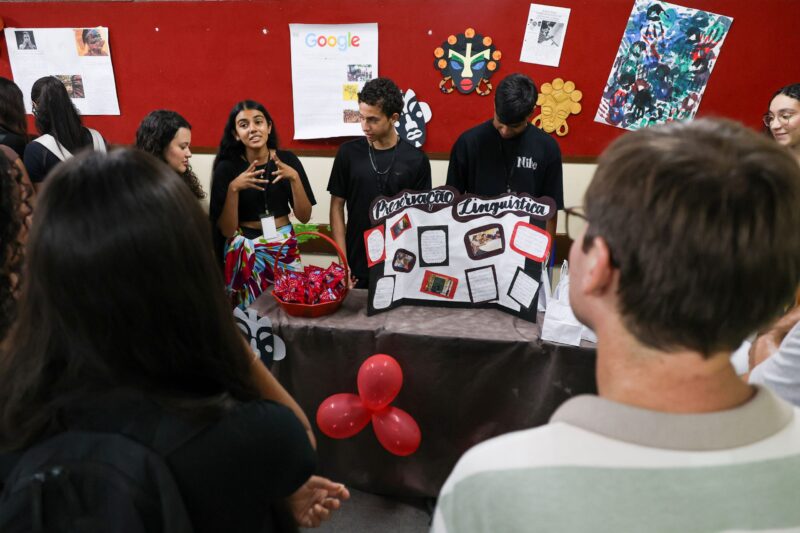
pixel 254 187
pixel 61 129
pixel 168 136
pixel 14 210
pixel 13 125
pixel 783 118
pixel 121 318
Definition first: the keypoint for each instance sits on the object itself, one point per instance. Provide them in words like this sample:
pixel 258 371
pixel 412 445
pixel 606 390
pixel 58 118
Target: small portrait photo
pixel 25 40
pixel 350 116
pixel 485 241
pixel 400 226
pixel 73 84
pixel 359 72
pixel 91 41
pixel 403 261
pixel 550 32
pixel 350 92
pixel 439 285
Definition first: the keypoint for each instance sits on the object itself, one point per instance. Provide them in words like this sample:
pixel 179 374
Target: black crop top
pixel 251 201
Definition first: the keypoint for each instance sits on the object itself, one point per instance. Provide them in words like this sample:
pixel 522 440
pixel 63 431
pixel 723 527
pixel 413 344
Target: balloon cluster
pixel 379 380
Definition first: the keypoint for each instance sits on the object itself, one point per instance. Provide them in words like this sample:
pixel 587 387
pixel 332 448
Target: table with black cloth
pixel 468 375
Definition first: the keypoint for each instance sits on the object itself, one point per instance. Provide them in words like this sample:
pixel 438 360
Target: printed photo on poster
pixel 439 285
pixel 433 245
pixel 91 42
pixel 663 65
pixel 523 288
pixel 404 260
pixel 485 241
pixel 26 40
pixel 384 293
pixel 73 83
pixel 359 72
pixel 482 284
pixel 400 226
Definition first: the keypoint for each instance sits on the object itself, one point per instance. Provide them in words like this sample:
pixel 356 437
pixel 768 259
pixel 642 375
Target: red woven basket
pixel 320 309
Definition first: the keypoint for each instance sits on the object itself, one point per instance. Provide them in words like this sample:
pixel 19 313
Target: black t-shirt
pixel 484 163
pixel 13 141
pixel 354 179
pixel 232 474
pixel 251 201
pixel 39 160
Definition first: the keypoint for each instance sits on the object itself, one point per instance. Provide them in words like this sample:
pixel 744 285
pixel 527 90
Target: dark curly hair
pixel 382 92
pixel 11 223
pixel 229 147
pixel 155 133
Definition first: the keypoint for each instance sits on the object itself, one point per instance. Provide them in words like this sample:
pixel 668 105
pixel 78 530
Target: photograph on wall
pixel 663 65
pixel 485 241
pixel 544 35
pixel 330 64
pixel 404 260
pixel 439 285
pixel 79 57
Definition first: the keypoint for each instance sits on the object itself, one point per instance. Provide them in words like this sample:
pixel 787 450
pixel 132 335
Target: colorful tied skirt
pixel 250 262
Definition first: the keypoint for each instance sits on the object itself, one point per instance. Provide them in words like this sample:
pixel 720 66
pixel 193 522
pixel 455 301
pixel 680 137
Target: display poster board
pixel 441 248
pixel 330 64
pixel 79 57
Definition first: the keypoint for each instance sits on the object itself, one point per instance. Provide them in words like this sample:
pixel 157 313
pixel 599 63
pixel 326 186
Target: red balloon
pixel 342 415
pixel 396 431
pixel 379 381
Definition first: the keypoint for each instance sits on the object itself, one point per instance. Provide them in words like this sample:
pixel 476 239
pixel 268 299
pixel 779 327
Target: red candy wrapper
pixel 312 286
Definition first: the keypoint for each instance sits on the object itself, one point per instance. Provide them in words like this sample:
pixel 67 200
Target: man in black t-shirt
pixel 508 154
pixel 379 164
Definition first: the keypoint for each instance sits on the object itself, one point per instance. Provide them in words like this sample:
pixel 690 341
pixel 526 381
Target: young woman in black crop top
pixel 254 181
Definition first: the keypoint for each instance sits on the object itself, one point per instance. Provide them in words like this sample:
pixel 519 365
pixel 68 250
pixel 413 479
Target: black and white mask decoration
pixel 411 125
pixel 257 331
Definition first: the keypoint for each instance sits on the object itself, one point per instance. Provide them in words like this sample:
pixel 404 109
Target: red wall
pixel 208 55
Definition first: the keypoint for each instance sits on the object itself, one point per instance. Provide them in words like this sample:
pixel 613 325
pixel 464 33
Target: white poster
pixel 79 57
pixel 330 64
pixel 544 35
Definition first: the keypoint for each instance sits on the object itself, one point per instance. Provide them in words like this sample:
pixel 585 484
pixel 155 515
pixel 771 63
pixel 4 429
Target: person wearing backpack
pixel 128 399
pixel 62 132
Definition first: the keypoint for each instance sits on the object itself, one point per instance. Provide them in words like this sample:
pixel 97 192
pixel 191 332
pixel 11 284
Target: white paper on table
pixel 327 77
pixel 384 292
pixel 523 288
pixel 544 35
pixel 57 53
pixel 375 246
pixel 482 284
pixel 433 246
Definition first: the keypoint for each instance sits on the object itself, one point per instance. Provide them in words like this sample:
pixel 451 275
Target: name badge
pixel 268 227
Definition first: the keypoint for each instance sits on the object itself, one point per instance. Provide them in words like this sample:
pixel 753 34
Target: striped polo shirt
pixel 602 466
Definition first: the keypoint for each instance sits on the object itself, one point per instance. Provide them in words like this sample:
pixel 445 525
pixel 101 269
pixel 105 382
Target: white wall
pixel 576 179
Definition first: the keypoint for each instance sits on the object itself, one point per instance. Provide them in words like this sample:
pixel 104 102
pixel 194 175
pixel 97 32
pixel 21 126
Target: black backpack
pixel 83 481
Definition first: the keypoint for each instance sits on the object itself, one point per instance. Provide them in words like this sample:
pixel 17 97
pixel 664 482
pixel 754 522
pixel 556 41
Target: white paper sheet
pixel 523 289
pixel 330 64
pixel 61 52
pixel 531 241
pixel 482 285
pixel 384 290
pixel 433 246
pixel 375 246
pixel 544 35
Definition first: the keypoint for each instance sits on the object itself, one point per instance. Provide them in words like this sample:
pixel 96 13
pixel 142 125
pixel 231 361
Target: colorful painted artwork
pixel 466 62
pixel 663 65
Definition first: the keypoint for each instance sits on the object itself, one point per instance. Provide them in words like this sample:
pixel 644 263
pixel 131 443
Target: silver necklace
pixel 391 163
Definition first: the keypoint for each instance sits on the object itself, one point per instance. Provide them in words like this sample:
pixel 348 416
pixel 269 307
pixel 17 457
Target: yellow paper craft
pixel 557 101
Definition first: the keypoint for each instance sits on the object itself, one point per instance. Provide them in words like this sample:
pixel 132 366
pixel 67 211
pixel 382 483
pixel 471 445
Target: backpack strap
pixel 50 142
pixel 98 143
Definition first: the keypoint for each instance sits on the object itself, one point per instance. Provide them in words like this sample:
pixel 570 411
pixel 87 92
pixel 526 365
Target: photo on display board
pixel 25 40
pixel 400 226
pixel 350 116
pixel 485 241
pixel 359 72
pixel 91 41
pixel 73 83
pixel 403 261
pixel 439 285
pixel 350 92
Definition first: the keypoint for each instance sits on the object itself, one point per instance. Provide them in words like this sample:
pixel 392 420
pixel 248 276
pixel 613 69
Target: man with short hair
pixel 508 154
pixel 379 164
pixel 682 221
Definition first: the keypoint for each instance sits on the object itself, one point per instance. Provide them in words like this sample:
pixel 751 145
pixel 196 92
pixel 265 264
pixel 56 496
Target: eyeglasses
pixel 574 221
pixel 783 118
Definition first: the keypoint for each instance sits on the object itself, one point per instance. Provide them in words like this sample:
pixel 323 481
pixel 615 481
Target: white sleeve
pixel 781 371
